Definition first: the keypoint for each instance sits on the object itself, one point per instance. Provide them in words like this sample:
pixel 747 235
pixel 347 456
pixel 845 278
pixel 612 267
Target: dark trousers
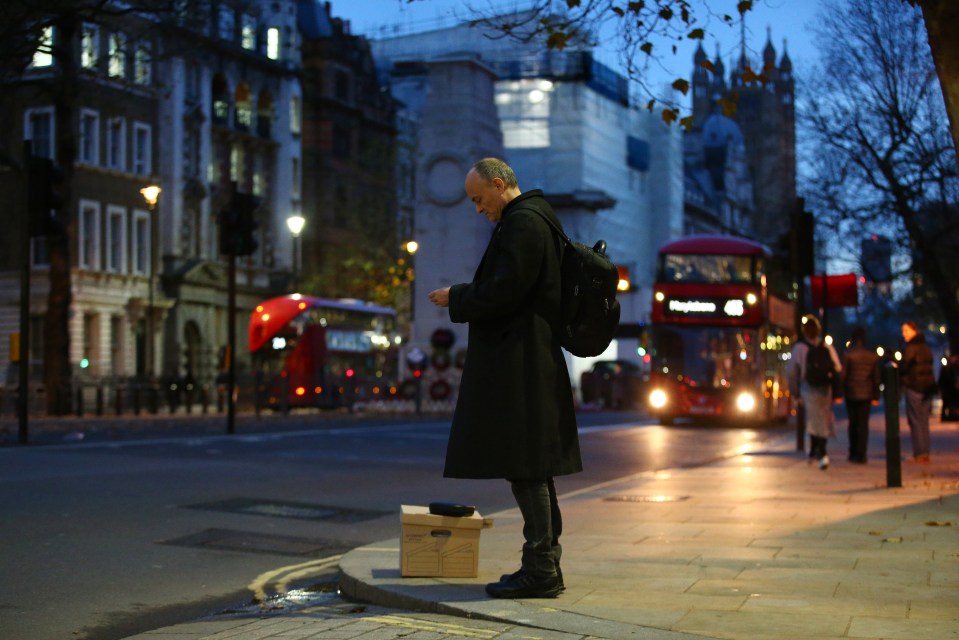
pixel 542 525
pixel 858 411
pixel 817 447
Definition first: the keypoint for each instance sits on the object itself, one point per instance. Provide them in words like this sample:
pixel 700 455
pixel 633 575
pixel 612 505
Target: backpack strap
pixel 553 225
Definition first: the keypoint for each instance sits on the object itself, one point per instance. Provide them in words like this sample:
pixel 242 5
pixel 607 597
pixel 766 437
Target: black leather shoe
pixel 559 576
pixel 523 585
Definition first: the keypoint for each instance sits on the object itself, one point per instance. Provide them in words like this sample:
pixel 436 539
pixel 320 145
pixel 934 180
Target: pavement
pixel 759 545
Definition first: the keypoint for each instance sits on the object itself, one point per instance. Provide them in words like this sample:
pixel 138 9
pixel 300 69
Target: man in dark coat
pixel 514 417
pixel 860 373
pixel 919 387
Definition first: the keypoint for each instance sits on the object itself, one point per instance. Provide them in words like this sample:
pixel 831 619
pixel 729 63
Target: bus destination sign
pixel 706 307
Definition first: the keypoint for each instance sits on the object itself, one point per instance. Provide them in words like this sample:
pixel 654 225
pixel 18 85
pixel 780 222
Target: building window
pixel 89 136
pixel 221 100
pixel 89 235
pixel 116 143
pixel 341 87
pixel 244 107
pixel 43 56
pixel 141 242
pixel 264 114
pixel 237 165
pixel 143 64
pixel 118 55
pixel 142 149
pixel 226 23
pixel 273 43
pixel 116 239
pixel 248 32
pixel 259 175
pixel 295 178
pixel 90 46
pixel 39 130
pixel 296 115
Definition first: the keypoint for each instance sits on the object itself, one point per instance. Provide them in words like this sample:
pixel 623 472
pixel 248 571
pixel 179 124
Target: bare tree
pixel 881 156
pixel 639 30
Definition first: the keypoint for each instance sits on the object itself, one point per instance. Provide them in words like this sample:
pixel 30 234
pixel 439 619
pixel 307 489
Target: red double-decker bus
pixel 316 352
pixel 719 340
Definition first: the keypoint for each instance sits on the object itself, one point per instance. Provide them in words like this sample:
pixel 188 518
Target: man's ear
pixel 499 184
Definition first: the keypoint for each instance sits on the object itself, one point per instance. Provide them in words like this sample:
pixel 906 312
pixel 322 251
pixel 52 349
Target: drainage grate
pixel 284 509
pixel 249 542
pixel 635 498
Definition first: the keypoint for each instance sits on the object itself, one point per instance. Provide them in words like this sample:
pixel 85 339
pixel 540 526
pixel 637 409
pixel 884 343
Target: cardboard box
pixel 439 546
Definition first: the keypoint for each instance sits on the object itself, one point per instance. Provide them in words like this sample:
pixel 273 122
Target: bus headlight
pixel 745 402
pixel 657 399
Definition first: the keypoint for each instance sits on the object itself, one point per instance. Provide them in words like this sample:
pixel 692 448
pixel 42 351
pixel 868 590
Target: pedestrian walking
pixel 814 366
pixel 860 376
pixel 918 387
pixel 949 389
pixel 514 416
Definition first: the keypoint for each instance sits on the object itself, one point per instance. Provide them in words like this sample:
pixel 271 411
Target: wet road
pixel 100 540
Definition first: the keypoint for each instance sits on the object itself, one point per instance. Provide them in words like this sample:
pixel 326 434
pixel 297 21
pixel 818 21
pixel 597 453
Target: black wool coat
pixel 514 416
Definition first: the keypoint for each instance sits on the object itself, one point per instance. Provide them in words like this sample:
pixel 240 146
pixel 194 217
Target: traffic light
pixel 245 206
pixel 44 198
pixel 238 225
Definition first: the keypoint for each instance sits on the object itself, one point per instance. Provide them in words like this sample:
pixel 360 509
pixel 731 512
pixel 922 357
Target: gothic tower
pixel 765 112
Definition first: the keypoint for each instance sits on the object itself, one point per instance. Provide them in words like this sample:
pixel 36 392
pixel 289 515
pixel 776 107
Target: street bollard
pixel 800 426
pixel 205 398
pixel 79 406
pixel 99 399
pixel 135 392
pixel 119 400
pixel 890 400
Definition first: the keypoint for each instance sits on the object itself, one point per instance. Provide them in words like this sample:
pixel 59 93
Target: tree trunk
pixel 941 18
pixel 56 355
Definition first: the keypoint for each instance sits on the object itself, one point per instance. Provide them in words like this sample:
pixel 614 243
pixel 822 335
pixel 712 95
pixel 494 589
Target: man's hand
pixel 440 297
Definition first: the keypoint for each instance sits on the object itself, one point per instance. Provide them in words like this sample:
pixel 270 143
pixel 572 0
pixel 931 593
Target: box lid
pixel 410 514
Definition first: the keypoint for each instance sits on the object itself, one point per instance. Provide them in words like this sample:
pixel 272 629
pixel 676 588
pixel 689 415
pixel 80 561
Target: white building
pixel 611 172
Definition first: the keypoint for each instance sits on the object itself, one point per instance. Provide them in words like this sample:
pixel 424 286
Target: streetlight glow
pixel 295 224
pixel 150 194
pixel 412 246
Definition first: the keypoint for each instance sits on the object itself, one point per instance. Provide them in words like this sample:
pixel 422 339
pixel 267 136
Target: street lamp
pixel 296 223
pixel 151 194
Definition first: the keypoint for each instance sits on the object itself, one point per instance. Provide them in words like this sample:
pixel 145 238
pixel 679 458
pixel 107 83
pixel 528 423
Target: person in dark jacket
pixel 860 372
pixel 949 389
pixel 918 384
pixel 514 416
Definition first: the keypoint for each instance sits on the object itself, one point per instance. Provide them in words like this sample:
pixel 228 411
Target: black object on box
pixel 451 509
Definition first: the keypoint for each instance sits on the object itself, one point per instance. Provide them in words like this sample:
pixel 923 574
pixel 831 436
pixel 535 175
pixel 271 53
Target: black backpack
pixel 820 369
pixel 590 311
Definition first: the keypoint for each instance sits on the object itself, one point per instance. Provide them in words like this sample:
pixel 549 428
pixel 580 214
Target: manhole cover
pixel 250 542
pixel 285 509
pixel 635 498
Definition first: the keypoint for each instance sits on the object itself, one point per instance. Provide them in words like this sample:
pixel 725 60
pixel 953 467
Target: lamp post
pixel 411 247
pixel 296 223
pixel 151 194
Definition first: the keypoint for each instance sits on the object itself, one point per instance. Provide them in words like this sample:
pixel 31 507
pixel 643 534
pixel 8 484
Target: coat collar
pixel 520 199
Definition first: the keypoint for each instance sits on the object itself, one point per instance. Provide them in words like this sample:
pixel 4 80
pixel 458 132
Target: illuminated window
pixel 248 33
pixel 143 65
pixel 118 55
pixel 273 43
pixel 43 56
pixel 89 46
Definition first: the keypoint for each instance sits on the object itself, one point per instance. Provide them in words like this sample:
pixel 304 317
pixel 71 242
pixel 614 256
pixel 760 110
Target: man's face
pixel 488 197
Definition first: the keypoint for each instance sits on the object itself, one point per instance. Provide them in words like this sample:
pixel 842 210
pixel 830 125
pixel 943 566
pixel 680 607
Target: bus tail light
pixel 301 391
